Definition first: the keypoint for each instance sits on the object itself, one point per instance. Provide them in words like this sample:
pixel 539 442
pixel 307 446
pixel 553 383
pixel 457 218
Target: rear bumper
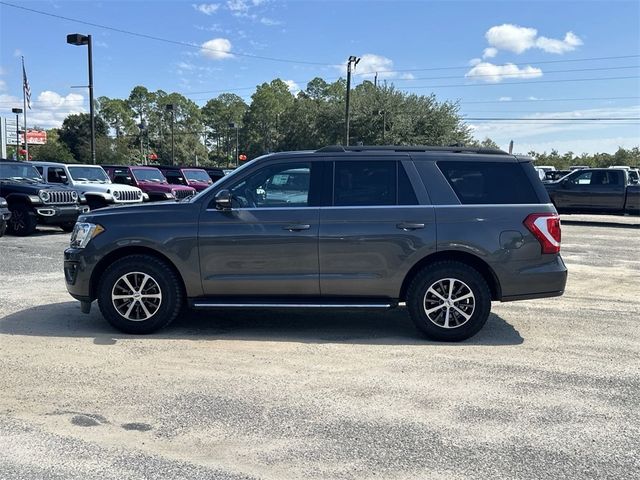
pixel 59 214
pixel 541 281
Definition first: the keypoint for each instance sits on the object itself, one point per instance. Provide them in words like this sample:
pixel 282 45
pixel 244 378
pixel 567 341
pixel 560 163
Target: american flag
pixel 25 85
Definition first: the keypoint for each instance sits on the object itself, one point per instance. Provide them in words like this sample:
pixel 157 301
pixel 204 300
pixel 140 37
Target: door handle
pixel 409 226
pixel 297 227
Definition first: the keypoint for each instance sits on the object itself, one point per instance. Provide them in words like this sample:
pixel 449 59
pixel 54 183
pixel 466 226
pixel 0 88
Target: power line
pixel 165 40
pixel 521 83
pixel 501 75
pixel 464 67
pixel 551 100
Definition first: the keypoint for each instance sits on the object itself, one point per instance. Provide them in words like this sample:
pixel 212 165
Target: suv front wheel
pixel 140 294
pixel 449 301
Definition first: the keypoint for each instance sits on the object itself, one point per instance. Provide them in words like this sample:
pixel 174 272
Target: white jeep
pixel 92 182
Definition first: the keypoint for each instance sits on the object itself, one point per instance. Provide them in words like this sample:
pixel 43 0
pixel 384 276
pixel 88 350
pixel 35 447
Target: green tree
pixel 52 151
pixel 75 134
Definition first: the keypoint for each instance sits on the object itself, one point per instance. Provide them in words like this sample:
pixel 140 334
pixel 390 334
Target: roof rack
pixel 412 148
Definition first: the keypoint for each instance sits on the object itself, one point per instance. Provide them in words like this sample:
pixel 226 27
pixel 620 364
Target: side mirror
pixel 223 200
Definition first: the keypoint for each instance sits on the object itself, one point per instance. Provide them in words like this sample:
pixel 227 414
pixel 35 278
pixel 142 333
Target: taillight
pixel 546 228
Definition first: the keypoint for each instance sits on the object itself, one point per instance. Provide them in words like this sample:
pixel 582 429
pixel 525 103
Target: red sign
pixel 35 137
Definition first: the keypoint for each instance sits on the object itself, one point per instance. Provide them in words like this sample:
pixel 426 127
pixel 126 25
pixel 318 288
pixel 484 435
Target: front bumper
pixel 59 214
pixel 77 274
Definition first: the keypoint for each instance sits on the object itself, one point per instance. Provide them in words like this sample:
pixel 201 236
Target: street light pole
pixel 353 60
pixel 236 126
pixel 79 39
pixel 18 111
pixel 170 107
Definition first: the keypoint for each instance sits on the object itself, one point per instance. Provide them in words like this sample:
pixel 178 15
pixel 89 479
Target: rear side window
pixel 365 183
pixel 480 182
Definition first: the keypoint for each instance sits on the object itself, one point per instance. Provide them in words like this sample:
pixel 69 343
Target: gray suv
pixel 443 230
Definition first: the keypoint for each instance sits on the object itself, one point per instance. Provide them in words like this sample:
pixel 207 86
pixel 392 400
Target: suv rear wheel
pixel 139 294
pixel 449 301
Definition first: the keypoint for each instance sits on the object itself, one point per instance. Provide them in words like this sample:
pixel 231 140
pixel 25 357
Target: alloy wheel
pixel 449 303
pixel 136 296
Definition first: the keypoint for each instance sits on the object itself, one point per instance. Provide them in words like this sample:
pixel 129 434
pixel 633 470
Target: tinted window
pixel 480 182
pixel 365 183
pixel 56 175
pixel 406 195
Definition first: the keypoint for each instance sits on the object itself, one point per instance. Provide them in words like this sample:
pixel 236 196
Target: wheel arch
pixel 454 255
pixel 119 253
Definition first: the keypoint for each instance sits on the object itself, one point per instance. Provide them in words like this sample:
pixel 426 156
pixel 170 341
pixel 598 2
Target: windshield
pixel 19 171
pixel 88 174
pixel 148 175
pixel 197 175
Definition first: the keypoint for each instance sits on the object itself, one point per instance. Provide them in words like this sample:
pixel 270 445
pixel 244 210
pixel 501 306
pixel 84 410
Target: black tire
pixel 3 227
pixel 466 280
pixel 23 220
pixel 168 285
pixel 68 227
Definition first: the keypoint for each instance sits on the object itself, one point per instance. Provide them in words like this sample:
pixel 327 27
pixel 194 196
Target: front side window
pixel 56 175
pixel 582 179
pixel 363 183
pixel 281 185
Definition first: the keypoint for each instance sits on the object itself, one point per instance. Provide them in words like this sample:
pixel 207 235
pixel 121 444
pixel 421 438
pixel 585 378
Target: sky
pixel 533 60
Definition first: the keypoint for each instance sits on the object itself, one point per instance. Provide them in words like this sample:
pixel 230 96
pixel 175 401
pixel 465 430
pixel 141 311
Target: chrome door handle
pixel 409 226
pixel 297 227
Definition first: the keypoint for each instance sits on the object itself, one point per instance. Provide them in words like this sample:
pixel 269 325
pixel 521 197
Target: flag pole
pixel 24 111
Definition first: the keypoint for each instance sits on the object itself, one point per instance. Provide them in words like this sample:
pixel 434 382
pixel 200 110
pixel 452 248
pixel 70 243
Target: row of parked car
pixel 51 193
pixel 548 173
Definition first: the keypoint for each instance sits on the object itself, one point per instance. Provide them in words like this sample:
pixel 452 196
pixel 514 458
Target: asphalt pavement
pixel 548 389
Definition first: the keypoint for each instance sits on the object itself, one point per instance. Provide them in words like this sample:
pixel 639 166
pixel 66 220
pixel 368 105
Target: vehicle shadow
pixel 354 327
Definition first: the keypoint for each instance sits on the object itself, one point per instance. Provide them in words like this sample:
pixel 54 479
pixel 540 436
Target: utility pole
pixel 79 39
pixel 353 60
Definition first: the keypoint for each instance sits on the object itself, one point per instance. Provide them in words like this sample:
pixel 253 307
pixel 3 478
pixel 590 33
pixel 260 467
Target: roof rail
pixel 410 148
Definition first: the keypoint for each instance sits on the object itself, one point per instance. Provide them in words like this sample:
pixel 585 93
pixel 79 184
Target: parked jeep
pixel 33 202
pixel 214 173
pixel 150 180
pixel 5 215
pixel 190 176
pixel 444 230
pixel 92 182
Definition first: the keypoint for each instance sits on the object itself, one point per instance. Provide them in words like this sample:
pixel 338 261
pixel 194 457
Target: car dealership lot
pixel 548 389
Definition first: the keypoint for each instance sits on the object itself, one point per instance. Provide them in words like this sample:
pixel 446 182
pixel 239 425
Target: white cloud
pixel 533 98
pixel 505 99
pixel 49 109
pixel 293 86
pixel 517 39
pixel 238 6
pixel 217 49
pixel 269 22
pixel 551 45
pixel 511 37
pixel 206 8
pixel 371 63
pixel 489 52
pixel 475 61
pixel 490 73
pixel 407 76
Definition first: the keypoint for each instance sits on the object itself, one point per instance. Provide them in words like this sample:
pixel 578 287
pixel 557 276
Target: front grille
pixel 60 196
pixel 129 196
pixel 180 194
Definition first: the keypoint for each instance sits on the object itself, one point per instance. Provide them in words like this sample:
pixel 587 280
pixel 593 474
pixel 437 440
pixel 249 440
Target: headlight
pixel 83 233
pixel 116 194
pixel 74 195
pixel 171 195
pixel 44 196
pixel 3 202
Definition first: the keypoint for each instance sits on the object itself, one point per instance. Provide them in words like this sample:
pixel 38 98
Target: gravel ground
pixel 548 389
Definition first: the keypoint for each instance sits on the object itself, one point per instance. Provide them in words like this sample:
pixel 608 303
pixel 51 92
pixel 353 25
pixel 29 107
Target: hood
pixel 103 187
pixel 13 186
pixel 138 210
pixel 162 187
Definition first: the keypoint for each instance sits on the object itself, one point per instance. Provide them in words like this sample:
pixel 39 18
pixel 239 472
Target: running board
pixel 212 302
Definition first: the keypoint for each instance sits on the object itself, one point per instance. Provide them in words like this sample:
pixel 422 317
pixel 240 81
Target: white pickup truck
pixel 92 182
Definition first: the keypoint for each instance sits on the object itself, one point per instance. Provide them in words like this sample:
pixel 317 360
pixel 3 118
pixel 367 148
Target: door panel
pixel 365 251
pixel 259 251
